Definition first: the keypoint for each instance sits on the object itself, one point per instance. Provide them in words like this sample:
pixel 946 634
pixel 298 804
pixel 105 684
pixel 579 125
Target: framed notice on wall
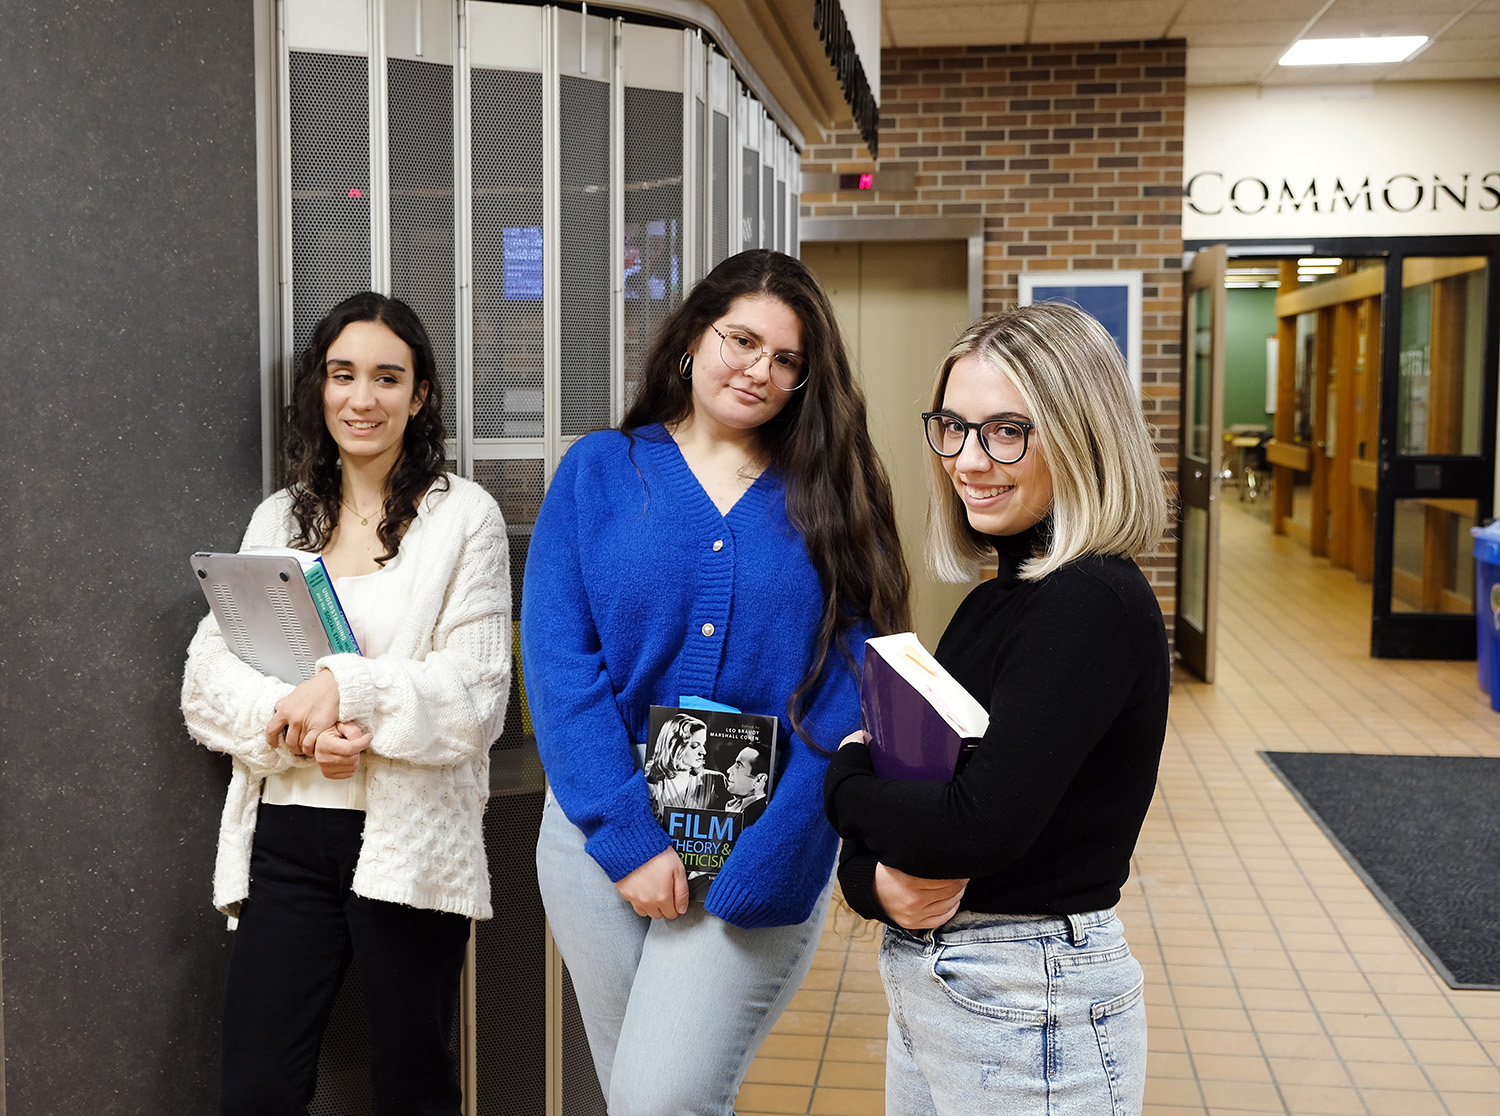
pixel 1113 297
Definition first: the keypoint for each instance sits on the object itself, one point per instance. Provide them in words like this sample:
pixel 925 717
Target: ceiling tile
pixel 1329 75
pixel 1346 10
pixel 1228 65
pixel 1477 25
pixel 1119 19
pixel 1448 71
pixel 1215 11
pixel 1460 50
pixel 1410 23
pixel 1280 33
pixel 1228 42
pixel 956 24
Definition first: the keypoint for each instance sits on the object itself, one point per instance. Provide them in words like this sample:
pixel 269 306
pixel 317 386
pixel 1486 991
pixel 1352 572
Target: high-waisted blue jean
pixel 1016 1015
pixel 674 1009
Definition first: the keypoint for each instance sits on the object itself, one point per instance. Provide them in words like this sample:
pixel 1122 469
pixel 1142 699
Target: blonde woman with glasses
pixel 1011 986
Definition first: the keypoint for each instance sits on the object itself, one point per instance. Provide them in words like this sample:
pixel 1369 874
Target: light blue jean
pixel 1020 1015
pixel 680 1006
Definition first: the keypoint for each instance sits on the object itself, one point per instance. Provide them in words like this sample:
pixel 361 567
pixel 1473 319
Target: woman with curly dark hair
pixel 735 541
pixel 352 828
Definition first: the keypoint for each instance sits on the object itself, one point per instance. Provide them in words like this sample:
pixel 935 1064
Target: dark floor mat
pixel 1424 833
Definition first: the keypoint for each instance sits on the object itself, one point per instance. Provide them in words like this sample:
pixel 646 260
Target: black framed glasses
pixel 742 352
pixel 1004 440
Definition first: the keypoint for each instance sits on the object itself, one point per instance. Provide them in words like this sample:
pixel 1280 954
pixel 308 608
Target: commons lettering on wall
pixel 1394 159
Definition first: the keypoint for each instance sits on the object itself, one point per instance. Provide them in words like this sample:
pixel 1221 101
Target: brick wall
pixel 1071 154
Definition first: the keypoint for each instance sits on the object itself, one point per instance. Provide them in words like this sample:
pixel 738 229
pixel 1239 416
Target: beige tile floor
pixel 1276 983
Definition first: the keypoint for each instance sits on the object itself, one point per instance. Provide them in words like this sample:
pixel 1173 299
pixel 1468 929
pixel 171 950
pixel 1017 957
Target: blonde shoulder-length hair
pixel 1109 494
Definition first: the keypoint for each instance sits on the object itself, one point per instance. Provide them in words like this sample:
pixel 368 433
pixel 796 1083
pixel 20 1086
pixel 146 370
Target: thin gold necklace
pixel 364 520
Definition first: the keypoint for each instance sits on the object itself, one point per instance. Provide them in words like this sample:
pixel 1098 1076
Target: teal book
pixel 325 597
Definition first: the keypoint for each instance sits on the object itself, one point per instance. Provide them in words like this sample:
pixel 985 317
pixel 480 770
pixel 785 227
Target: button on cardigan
pixel 638 591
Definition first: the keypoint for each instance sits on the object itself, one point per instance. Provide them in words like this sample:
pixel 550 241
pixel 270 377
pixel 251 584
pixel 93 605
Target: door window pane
pixel 1307 346
pixel 1442 343
pixel 1200 374
pixel 1193 588
pixel 1432 557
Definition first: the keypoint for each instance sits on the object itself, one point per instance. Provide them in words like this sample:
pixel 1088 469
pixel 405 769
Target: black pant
pixel 299 929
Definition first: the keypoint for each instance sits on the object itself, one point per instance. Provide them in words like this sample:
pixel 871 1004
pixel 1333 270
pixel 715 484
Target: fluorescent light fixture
pixel 1352 52
pixel 1319 261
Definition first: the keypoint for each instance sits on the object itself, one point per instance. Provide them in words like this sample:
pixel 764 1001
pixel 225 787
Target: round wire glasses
pixel 742 352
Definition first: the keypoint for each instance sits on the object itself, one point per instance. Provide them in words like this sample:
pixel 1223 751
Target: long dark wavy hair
pixel 837 492
pixel 314 476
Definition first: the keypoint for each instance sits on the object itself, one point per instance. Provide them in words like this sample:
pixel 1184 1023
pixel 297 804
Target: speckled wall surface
pixel 131 436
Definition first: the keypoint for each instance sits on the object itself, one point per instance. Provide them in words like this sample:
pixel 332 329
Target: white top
pixel 434 704
pixel 374 604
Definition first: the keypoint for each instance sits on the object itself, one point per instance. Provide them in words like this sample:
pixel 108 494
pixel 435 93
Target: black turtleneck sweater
pixel 1045 815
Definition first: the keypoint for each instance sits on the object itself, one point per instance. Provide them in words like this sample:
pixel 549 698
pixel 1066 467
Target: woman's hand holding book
pixel 304 714
pixel 658 888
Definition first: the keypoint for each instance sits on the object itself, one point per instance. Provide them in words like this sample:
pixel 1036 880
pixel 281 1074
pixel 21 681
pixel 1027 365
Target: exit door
pixel 1200 460
pixel 1437 450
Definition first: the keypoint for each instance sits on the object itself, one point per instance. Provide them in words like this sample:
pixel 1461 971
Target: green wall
pixel 1249 318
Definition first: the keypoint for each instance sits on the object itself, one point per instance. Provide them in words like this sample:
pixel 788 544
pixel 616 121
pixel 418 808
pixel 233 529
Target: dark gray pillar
pixel 129 436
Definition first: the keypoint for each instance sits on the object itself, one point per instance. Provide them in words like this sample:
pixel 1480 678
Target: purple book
pixel 917 714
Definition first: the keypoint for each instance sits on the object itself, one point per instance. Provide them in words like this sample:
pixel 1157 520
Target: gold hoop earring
pixel 685 366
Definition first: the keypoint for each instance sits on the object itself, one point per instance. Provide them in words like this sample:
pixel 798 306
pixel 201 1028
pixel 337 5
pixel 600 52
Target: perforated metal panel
pixel 330 170
pixel 781 241
pixel 506 135
pixel 768 201
pixel 720 187
pixel 510 986
pixel 750 198
pixel 700 216
pixel 517 486
pixel 653 220
pixel 421 176
pixel 583 259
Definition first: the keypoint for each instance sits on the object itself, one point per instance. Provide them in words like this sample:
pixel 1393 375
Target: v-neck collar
pixel 677 469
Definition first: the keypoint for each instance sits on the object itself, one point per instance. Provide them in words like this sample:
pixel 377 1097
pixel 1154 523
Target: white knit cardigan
pixel 434 704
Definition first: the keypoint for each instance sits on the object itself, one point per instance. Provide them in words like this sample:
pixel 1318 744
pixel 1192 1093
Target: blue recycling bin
pixel 1487 607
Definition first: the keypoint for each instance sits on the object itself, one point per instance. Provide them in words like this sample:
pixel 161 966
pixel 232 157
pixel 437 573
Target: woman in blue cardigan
pixel 733 540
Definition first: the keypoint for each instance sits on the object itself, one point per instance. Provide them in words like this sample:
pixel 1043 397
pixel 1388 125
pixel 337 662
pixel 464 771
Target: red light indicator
pixel 867 182
pixel 354 193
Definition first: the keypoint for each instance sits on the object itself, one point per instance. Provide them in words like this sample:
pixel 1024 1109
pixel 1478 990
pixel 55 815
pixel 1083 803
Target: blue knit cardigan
pixel 637 591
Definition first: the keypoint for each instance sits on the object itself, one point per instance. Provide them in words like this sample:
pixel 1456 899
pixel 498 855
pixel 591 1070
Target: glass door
pixel 1437 453
pixel 1200 459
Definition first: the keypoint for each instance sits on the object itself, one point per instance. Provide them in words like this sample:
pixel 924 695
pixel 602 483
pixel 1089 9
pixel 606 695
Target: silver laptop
pixel 265 611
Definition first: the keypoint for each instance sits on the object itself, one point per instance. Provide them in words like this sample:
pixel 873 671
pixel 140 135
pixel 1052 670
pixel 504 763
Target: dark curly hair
pixel 312 457
pixel 837 492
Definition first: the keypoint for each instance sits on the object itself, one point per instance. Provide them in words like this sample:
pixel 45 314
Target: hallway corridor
pixel 1276 983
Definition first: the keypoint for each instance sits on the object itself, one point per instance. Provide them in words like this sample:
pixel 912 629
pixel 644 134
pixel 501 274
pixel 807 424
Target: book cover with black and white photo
pixel 710 773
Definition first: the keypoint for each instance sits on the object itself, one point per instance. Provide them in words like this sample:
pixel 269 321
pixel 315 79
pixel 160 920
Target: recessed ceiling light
pixel 1352 52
